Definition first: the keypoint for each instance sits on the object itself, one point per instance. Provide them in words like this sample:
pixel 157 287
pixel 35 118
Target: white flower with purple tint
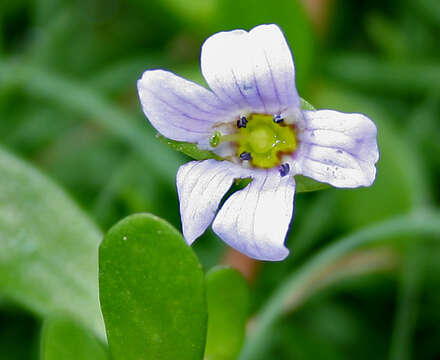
pixel 252 119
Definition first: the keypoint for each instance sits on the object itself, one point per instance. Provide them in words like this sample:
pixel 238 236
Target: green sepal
pixel 305 105
pixel 190 149
pixel 306 184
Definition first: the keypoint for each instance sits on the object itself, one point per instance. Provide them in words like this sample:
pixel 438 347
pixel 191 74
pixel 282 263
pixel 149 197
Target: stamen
pixel 245 155
pixel 241 123
pixel 284 169
pixel 277 119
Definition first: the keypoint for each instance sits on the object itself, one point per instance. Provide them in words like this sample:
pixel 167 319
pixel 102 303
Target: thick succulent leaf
pixel 48 247
pixel 64 339
pixel 152 292
pixel 228 302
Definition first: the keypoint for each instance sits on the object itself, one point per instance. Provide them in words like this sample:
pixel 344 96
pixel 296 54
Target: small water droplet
pixel 124 238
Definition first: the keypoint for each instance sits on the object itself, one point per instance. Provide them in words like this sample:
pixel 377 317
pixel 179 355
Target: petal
pixel 255 220
pixel 201 185
pixel 179 109
pixel 252 71
pixel 338 148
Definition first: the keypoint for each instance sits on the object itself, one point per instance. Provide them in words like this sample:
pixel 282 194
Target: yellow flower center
pixel 261 140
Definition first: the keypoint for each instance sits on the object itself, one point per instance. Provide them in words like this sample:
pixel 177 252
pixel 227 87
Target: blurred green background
pixel 69 107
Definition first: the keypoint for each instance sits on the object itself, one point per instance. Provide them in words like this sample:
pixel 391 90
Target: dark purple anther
pixel 241 123
pixel 277 119
pixel 245 156
pixel 284 169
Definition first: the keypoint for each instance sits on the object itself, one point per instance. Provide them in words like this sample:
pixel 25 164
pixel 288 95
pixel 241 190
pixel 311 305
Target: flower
pixel 251 117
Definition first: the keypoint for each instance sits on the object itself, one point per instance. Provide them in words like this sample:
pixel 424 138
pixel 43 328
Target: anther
pixel 284 169
pixel 245 155
pixel 277 119
pixel 241 123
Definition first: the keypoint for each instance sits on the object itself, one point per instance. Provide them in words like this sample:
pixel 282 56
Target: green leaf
pixel 152 292
pixel 228 303
pixel 48 247
pixel 306 184
pixel 189 149
pixel 64 339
